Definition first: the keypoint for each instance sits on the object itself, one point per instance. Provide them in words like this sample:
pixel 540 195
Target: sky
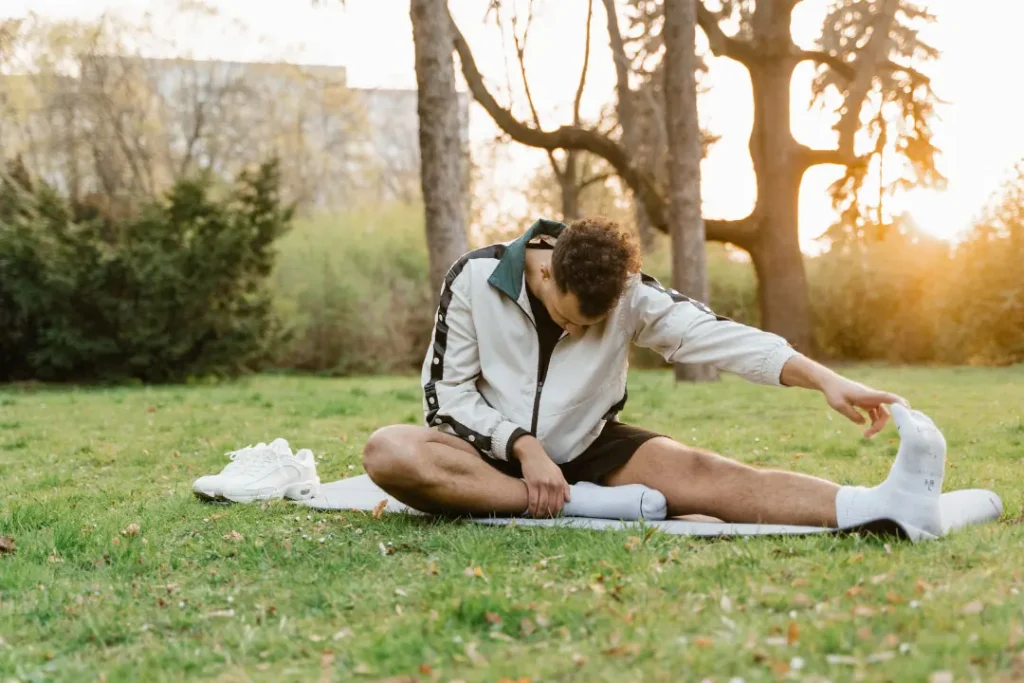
pixel 979 132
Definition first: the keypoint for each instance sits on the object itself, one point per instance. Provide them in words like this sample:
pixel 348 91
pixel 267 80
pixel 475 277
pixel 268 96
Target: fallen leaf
pixel 316 638
pixel 431 569
pixel 841 659
pixel 55 558
pixel 598 588
pixel 856 558
pixel 879 578
pixel 473 571
pixel 725 603
pixel 542 620
pixel 775 641
pixel 854 591
pixel 7 545
pixel 893 598
pixel 864 611
pixel 802 600
pixel 973 607
pixel 343 633
pixel 633 543
pixel 864 633
pixel 527 627
pixel 218 515
pixel 500 635
pixel 921 586
pixel 130 530
pixel 793 634
pixel 378 509
pixel 492 618
pixel 799 582
pixel 622 650
pixel 780 667
pixel 578 659
pixel 941 677
pixel 475 656
pixel 361 668
pixel 887 548
pixel 326 659
pixel 877 657
pixel 400 592
pixel 702 641
pixel 891 640
pixel 425 669
pixel 234 536
pixel 219 613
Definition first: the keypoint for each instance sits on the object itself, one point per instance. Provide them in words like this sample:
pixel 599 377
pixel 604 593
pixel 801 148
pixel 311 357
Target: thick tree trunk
pixel 442 156
pixel 779 166
pixel 570 187
pixel 689 264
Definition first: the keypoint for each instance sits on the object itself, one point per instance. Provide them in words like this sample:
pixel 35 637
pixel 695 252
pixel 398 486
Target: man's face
pixel 564 309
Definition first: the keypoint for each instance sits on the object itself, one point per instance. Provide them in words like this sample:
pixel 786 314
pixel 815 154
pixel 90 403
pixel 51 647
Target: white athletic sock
pixel 633 501
pixel 910 494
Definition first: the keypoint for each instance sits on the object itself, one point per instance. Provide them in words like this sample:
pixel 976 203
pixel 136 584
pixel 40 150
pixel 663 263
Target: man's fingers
pixel 879 418
pixel 568 492
pixel 850 412
pixel 533 494
pixel 887 398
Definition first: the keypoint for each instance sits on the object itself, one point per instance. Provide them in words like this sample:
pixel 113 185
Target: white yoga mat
pixel 959 509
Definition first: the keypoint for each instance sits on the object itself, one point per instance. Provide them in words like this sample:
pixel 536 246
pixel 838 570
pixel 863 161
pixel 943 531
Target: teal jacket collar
pixel 508 275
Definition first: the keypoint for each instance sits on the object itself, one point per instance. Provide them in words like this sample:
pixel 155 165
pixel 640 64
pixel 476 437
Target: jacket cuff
pixel 502 439
pixel 771 367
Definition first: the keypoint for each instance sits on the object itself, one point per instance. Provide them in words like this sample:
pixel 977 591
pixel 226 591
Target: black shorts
pixel 611 450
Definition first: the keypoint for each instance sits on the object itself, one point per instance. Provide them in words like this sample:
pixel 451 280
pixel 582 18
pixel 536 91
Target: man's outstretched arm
pixel 844 395
pixel 685 331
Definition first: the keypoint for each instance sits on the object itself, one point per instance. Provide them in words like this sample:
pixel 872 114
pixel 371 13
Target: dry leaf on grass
pixel 622 650
pixel 973 607
pixel 326 659
pixel 702 641
pixel 378 509
pixel 793 633
pixel 7 545
pixel 492 617
pixel 864 611
pixel 941 677
pixel 130 530
pixel 234 536
pixel 527 627
pixel 799 582
pixel 431 569
pixel 425 669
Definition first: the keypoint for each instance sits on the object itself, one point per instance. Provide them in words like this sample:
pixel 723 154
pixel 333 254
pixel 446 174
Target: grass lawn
pixel 271 592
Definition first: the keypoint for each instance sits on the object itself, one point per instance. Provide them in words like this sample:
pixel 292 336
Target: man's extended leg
pixel 435 472
pixel 696 481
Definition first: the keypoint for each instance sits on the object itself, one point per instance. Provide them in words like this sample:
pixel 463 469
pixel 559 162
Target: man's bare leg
pixel 438 473
pixel 696 481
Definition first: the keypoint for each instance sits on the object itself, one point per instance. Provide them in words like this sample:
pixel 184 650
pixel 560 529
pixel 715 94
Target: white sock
pixel 633 501
pixel 910 494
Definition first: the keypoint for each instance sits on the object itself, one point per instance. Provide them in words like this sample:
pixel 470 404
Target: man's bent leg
pixel 439 473
pixel 696 481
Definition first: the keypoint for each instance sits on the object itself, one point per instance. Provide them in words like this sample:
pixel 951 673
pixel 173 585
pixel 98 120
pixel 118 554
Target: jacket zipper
pixel 542 374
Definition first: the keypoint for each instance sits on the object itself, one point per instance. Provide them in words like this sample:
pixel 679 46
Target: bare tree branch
pixel 740 232
pixel 721 44
pixel 521 56
pixel 595 179
pixel 847 70
pixel 583 71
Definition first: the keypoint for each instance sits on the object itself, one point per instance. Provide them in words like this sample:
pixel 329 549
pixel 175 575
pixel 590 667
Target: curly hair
pixel 593 259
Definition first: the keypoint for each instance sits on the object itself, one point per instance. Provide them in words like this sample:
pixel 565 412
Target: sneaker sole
pixel 300 491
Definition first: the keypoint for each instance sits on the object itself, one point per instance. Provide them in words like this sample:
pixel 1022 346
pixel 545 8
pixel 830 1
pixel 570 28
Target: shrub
pixel 175 289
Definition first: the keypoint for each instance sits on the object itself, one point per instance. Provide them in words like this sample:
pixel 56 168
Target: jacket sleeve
pixel 452 402
pixel 686 331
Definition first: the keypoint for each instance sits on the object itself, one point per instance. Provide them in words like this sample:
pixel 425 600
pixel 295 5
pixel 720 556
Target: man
pixel 526 373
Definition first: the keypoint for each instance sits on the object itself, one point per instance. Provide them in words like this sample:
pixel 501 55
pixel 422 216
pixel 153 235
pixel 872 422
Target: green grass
pixel 308 595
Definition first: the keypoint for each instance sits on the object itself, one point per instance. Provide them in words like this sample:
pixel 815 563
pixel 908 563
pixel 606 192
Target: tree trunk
pixel 442 156
pixel 779 167
pixel 689 266
pixel 627 117
pixel 567 179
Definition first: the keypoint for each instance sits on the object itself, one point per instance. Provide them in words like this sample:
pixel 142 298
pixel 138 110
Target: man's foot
pixel 633 501
pixel 910 494
pixel 262 472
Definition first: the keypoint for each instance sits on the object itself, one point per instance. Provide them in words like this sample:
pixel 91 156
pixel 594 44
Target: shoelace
pixel 249 460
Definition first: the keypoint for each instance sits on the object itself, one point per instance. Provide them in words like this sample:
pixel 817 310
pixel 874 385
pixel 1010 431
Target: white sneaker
pixel 262 472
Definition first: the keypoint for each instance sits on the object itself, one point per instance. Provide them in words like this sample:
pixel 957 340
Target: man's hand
pixel 846 396
pixel 843 395
pixel 545 485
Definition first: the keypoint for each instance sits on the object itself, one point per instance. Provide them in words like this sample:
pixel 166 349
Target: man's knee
pixel 390 455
